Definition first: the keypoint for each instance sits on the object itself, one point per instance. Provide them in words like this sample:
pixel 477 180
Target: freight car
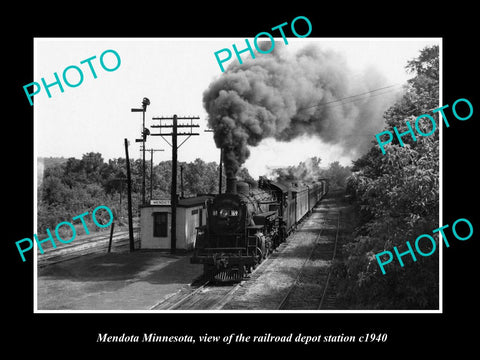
pixel 246 224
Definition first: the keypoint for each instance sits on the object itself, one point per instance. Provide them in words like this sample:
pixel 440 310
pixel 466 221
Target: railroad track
pixel 311 286
pixel 209 295
pixel 94 244
pixel 328 298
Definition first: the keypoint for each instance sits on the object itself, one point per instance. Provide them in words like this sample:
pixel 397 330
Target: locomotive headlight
pixel 223 213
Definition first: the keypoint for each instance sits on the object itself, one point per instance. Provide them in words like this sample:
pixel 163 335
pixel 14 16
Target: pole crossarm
pixel 178 118
pixel 141 148
pixel 174 126
pixel 178 126
pixel 178 133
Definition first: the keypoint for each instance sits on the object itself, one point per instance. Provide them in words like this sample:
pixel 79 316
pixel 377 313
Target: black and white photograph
pixel 270 169
pixel 237 181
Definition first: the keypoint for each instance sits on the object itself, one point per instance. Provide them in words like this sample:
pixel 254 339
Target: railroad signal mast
pixel 172 123
pixel 145 132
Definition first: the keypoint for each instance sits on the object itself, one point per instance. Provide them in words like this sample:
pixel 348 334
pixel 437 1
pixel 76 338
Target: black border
pixel 409 333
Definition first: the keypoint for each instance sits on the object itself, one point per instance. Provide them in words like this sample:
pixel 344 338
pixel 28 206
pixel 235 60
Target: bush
pixel 398 198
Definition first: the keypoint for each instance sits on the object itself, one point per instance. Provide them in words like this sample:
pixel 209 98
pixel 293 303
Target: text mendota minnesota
pixel 152 337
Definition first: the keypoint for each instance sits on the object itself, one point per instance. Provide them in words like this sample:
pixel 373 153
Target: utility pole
pixel 129 193
pixel 145 132
pixel 174 134
pixel 151 169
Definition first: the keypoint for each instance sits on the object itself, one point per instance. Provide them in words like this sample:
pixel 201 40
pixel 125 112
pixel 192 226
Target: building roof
pixel 194 201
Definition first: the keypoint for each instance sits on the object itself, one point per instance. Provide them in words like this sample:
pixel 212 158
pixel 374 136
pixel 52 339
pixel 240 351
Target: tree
pixel 337 175
pixel 398 196
pixel 92 165
pixel 71 187
pixel 113 176
pixel 308 171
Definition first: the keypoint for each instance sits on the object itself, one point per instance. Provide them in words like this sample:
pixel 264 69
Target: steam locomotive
pixel 244 225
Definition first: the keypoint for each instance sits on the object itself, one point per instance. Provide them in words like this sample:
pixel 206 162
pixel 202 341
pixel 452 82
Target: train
pixel 245 224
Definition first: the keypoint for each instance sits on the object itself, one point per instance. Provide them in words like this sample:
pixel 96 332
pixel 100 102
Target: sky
pixel 173 73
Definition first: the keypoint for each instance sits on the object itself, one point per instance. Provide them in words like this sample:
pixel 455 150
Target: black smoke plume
pixel 283 96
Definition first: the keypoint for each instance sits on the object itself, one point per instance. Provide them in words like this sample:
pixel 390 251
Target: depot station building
pixel 155 222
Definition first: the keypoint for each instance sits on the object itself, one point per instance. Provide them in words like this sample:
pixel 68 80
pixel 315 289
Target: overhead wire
pixel 354 96
pixel 357 97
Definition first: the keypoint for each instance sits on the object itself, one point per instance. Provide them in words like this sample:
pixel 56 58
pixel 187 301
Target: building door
pixel 160 224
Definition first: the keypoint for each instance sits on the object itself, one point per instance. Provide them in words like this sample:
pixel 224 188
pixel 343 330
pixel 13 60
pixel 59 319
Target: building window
pixel 160 224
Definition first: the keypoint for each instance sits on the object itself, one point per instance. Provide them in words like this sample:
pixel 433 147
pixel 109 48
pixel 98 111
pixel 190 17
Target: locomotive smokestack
pixel 231 185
